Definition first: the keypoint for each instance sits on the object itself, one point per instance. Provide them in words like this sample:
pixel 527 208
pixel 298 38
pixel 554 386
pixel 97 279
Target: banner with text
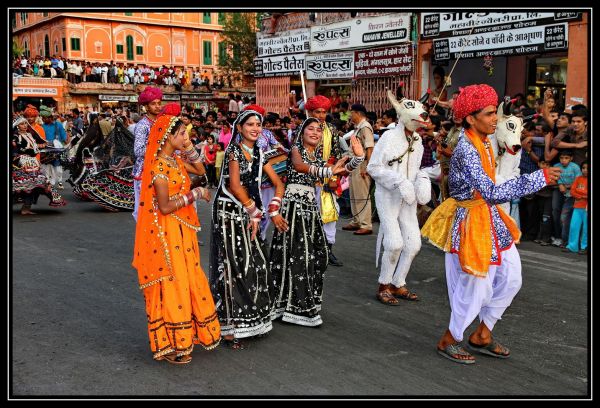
pixel 439 25
pixel 515 42
pixel 361 32
pixel 383 61
pixel 330 66
pixel 286 42
pixel 282 65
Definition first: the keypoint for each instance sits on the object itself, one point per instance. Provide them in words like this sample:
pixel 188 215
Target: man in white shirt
pixel 233 105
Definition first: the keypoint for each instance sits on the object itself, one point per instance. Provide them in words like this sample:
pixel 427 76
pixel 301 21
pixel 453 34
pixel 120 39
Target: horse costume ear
pixel 500 111
pixel 425 96
pixel 394 101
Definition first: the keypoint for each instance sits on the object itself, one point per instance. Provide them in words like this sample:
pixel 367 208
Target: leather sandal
pixel 403 293
pixel 174 359
pixel 387 298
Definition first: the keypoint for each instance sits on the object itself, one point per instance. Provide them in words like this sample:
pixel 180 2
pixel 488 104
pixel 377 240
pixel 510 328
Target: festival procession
pixel 302 204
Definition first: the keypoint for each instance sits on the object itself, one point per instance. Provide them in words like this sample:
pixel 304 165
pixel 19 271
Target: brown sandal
pixel 386 297
pixel 403 293
pixel 174 359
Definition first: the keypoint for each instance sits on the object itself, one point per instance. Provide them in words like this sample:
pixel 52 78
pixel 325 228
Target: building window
pixel 56 47
pixel 129 41
pixel 139 50
pixel 75 45
pixel 222 18
pixel 24 18
pixel 158 51
pixel 128 14
pixel 64 43
pixel 46 46
pixel 207 53
pixel 178 50
pixel 45 14
pixel 26 49
pixel 119 48
pixel 98 46
pixel 206 18
pixel 236 53
pixel 222 53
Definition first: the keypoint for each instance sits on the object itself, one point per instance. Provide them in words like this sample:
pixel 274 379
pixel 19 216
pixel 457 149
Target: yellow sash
pixel 475 249
pixel 328 210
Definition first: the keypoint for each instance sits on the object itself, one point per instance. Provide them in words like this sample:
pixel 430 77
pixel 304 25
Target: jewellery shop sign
pixel 385 61
pixel 330 66
pixel 361 32
pixel 530 40
pixel 281 65
pixel 453 24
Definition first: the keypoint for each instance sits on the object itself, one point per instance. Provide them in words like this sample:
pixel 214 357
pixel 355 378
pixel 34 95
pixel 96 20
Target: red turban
pixel 473 98
pixel 317 102
pixel 171 109
pixel 256 108
pixel 149 94
pixel 30 111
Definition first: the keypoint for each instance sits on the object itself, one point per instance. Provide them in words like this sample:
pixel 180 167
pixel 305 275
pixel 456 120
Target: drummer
pixel 266 141
pixel 55 136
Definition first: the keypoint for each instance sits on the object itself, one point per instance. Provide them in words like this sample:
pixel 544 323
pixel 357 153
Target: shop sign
pixel 35 91
pixel 505 43
pixel 361 32
pixel 385 61
pixel 114 98
pixel 197 97
pixel 330 66
pixel 170 97
pixel 283 65
pixel 439 25
pixel 286 42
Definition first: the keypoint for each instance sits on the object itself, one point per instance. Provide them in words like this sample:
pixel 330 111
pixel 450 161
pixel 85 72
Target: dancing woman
pixel 299 257
pixel 179 306
pixel 239 270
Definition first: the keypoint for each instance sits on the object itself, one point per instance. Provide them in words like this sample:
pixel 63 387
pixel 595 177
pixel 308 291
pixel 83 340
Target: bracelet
pixel 247 203
pixel 273 214
pixel 185 199
pixel 191 197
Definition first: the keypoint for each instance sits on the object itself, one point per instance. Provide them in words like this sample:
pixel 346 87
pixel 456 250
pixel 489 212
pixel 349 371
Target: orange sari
pixel 179 305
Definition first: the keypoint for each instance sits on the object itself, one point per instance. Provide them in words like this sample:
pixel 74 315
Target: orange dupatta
pixel 151 255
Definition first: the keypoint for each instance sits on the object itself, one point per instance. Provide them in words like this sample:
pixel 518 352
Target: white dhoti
pixel 330 227
pixel 266 195
pixel 487 297
pixel 54 173
pixel 137 184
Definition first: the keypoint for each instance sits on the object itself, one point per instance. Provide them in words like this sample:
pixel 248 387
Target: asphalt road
pixel 79 325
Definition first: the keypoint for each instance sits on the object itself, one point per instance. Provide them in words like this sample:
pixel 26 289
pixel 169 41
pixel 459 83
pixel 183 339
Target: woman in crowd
pixel 225 134
pixel 239 271
pixel 299 257
pixel 179 305
pixel 28 180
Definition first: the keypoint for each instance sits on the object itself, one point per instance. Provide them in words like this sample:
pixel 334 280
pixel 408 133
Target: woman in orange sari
pixel 179 305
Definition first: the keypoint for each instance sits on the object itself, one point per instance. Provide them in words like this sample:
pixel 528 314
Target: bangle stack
pixel 253 211
pixel 274 206
pixel 321 172
pixel 353 163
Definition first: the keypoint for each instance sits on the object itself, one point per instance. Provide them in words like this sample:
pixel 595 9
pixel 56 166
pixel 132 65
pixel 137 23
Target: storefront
pixel 204 101
pixel 523 52
pixel 118 101
pixel 38 91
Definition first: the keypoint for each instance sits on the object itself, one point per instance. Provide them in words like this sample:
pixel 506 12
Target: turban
pixel 45 111
pixel 317 102
pixel 30 111
pixel 473 98
pixel 256 108
pixel 171 109
pixel 149 94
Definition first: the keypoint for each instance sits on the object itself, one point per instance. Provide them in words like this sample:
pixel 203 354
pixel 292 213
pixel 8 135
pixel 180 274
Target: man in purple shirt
pixel 151 98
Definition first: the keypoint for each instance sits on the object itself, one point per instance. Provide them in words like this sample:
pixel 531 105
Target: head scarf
pixel 30 111
pixel 19 120
pixel 149 94
pixel 256 108
pixel 151 257
pixel 473 98
pixel 45 111
pixel 317 102
pixel 241 119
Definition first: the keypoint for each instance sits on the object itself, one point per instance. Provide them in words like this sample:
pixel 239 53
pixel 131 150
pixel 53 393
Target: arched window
pixel 26 49
pixel 129 41
pixel 46 46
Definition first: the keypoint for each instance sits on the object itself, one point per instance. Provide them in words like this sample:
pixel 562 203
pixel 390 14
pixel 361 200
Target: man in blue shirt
pixel 562 202
pixel 54 133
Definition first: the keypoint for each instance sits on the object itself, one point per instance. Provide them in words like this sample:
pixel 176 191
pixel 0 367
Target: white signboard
pixel 515 42
pixel 330 66
pixel 286 42
pixel 361 32
pixel 35 91
pixel 282 65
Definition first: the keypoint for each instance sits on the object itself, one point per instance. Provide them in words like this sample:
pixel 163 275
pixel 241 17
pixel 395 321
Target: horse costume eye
pixel 409 105
pixel 511 126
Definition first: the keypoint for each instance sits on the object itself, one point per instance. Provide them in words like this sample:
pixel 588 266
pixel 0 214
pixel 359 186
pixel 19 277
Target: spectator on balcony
pixel 131 73
pixel 104 74
pixel 233 106
pixel 47 66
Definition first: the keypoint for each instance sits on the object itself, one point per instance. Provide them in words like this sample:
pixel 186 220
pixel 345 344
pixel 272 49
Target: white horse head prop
pixel 508 129
pixel 411 113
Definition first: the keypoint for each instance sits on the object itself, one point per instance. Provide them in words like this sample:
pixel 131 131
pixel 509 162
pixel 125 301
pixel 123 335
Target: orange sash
pixel 475 250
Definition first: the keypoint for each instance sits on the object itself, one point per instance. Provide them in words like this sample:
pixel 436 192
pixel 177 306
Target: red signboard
pixel 387 61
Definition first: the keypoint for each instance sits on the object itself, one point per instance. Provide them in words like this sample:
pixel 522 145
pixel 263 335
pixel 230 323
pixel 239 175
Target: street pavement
pixel 79 328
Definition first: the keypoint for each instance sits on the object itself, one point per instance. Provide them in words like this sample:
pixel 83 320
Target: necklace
pixel 247 149
pixel 171 159
pixel 311 155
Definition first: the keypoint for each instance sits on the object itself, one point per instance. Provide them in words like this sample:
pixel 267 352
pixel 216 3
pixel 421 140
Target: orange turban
pixel 317 102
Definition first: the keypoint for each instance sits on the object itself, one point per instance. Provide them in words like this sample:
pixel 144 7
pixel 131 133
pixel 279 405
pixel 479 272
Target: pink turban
pixel 256 108
pixel 317 102
pixel 149 94
pixel 473 98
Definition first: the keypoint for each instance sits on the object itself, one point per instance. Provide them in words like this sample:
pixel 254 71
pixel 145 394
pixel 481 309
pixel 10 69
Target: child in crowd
pixel 219 160
pixel 562 202
pixel 579 191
